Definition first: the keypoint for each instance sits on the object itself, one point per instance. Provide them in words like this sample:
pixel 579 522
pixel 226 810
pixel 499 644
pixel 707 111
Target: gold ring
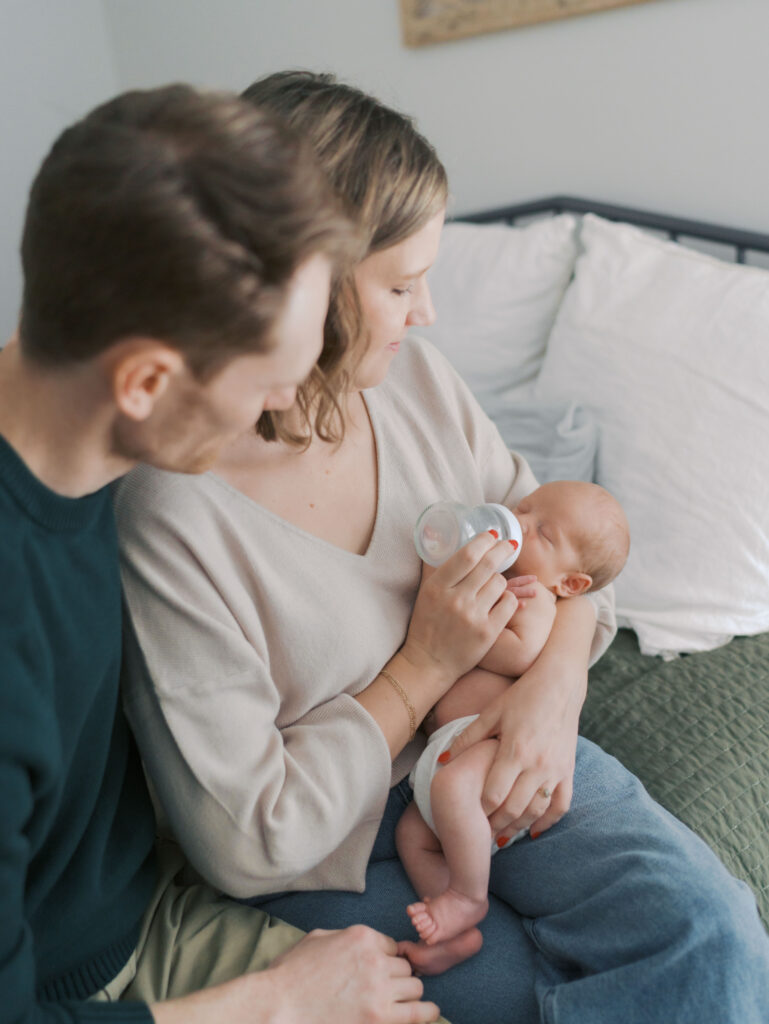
pixel 545 792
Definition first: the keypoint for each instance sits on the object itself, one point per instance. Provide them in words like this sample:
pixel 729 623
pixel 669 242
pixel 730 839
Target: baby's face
pixel 552 519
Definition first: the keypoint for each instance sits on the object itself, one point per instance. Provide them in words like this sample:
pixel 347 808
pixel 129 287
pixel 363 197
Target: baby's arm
pixel 519 644
pixel 468 696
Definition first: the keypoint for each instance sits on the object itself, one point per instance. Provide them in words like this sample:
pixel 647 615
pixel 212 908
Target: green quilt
pixel 696 732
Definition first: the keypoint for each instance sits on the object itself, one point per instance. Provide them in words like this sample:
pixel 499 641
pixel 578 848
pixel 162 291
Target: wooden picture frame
pixel 435 21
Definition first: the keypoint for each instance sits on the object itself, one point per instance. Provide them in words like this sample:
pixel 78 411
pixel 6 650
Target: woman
pixel 290 649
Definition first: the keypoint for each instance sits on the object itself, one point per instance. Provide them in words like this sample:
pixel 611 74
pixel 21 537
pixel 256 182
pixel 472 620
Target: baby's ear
pixel 572 584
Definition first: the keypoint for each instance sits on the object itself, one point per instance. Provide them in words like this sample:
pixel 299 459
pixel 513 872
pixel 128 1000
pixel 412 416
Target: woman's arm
pixel 254 806
pixel 536 721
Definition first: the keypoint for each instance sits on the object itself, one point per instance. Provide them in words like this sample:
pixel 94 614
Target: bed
pixel 632 348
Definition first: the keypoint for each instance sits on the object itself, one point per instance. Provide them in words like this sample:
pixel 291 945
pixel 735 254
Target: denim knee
pixel 733 936
pixel 713 922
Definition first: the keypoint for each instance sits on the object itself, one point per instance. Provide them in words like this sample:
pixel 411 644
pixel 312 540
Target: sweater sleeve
pixel 256 805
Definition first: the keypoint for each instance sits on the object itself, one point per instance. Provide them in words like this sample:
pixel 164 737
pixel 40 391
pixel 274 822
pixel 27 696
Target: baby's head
pixel 575 537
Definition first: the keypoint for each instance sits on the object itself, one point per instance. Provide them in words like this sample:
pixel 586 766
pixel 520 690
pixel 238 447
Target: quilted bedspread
pixel 696 732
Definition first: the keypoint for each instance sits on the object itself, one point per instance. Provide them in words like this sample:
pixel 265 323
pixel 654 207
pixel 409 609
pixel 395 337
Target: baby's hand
pixel 522 587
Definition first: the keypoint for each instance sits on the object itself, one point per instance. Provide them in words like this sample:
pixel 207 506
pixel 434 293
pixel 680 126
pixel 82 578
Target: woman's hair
pixel 390 182
pixel 174 214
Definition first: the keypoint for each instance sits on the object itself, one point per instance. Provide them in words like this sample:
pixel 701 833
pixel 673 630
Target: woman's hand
pixel 536 719
pixel 461 608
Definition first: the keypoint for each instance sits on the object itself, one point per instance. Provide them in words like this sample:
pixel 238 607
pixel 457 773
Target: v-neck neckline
pixel 368 399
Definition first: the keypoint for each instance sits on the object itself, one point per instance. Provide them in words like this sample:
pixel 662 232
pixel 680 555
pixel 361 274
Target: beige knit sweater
pixel 256 635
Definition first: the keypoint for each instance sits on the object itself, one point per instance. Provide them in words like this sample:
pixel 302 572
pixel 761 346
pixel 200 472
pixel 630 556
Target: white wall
pixel 56 64
pixel 661 105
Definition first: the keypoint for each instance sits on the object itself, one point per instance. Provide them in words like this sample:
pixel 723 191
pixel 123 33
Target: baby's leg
pixel 421 855
pixel 465 837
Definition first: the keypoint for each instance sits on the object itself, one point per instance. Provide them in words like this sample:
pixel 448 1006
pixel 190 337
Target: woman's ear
pixel 572 584
pixel 140 372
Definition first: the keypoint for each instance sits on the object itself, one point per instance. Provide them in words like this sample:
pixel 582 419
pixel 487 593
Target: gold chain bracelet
pixel 405 698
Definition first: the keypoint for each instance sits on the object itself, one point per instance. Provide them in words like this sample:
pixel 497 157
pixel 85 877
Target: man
pixel 177 253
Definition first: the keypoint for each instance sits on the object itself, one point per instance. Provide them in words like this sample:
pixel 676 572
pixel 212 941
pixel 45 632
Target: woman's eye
pixel 403 291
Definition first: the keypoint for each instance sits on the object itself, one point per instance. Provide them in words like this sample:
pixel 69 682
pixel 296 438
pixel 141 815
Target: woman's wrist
pixel 401 695
pixel 433 677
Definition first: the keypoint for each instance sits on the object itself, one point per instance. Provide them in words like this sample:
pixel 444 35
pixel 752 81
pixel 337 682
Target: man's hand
pixel 349 977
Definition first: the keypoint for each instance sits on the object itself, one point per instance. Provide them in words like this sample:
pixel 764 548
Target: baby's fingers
pixel 522 586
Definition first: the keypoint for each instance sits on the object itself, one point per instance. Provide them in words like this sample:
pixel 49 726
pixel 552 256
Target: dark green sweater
pixel 76 826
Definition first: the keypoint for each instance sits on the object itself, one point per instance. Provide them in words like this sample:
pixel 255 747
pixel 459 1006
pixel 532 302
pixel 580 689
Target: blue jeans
pixel 617 913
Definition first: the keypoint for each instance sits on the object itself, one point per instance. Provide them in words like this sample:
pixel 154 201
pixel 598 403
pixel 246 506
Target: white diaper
pixel 424 770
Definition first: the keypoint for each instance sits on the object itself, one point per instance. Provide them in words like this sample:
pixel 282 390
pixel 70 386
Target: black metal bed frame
pixel 674 227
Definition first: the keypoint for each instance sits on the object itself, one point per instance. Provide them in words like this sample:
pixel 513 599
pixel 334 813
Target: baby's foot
pixel 442 917
pixel 436 959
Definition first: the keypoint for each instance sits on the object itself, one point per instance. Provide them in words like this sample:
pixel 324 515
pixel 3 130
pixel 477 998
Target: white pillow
pixel 496 291
pixel 670 350
pixel 559 440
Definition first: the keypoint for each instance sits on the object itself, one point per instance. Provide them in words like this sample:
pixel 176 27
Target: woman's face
pixel 394 296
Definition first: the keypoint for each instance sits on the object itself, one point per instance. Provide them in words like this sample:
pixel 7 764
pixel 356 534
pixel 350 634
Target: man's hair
pixel 173 214
pixel 391 183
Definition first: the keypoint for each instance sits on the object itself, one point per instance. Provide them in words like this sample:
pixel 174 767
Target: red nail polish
pixel 515 544
pixel 444 757
pixel 535 835
pixel 494 534
pixel 501 841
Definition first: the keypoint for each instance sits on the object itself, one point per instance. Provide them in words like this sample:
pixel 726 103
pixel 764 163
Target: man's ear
pixel 572 584
pixel 140 371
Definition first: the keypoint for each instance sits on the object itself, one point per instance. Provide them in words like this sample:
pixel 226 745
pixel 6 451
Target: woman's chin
pixel 373 373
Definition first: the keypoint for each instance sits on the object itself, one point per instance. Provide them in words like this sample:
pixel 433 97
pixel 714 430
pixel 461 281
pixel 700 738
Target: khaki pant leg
pixel 193 938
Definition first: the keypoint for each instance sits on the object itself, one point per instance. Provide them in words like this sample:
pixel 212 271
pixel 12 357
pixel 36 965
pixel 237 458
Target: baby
pixel 575 539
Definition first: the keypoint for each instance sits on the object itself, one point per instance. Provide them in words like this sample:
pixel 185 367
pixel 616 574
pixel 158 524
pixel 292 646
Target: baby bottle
pixel 447 526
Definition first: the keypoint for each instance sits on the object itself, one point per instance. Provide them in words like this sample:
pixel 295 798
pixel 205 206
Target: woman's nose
pixel 422 312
